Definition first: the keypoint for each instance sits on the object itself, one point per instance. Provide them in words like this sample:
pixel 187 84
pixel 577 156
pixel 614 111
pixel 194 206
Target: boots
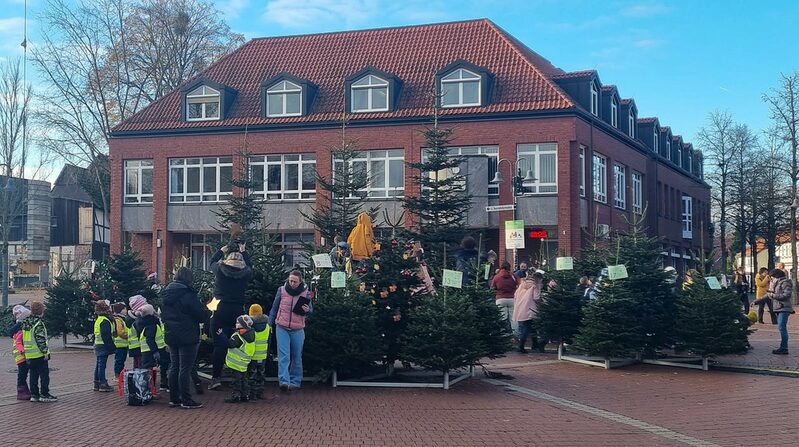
pixel 23 393
pixel 104 387
pixel 96 385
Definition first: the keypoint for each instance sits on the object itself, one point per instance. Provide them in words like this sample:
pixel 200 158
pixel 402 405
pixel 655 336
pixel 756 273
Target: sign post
pixel 514 237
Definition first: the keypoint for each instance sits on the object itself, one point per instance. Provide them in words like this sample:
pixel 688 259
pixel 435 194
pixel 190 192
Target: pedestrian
pixel 134 342
pixel 103 344
pixel 20 313
pixel 525 306
pixel 783 307
pixel 119 314
pixel 182 313
pixel 584 286
pixel 231 276
pixel 740 284
pixel 504 284
pixel 521 273
pixel 292 303
pixel 762 283
pixel 241 348
pixel 37 354
pixel 466 259
pixel 256 371
pixel 781 266
pixel 153 346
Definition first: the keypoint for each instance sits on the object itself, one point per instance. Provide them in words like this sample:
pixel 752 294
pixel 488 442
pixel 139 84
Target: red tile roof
pixel 608 88
pixel 575 74
pixel 522 78
pixel 647 120
pixel 665 129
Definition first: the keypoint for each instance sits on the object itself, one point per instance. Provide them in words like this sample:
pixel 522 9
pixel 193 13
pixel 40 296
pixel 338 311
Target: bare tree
pixel 742 186
pixel 773 166
pixel 784 106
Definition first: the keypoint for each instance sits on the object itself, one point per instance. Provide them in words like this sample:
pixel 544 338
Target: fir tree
pixel 610 326
pixel 120 277
pixel 495 338
pixel 560 311
pixel 68 308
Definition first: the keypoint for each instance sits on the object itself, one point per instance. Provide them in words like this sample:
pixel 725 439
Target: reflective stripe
pixel 32 350
pixel 120 342
pixel 159 336
pixel 19 357
pixel 261 343
pixel 238 358
pixel 133 338
pixel 98 338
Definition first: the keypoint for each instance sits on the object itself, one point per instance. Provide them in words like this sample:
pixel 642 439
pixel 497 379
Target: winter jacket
pixel 504 283
pixel 781 297
pixel 147 325
pixel 247 334
pixel 230 282
pixel 14 328
pixel 182 313
pixel 39 334
pixel 107 336
pixel 282 308
pixel 362 239
pixel 260 322
pixel 465 259
pixel 19 345
pixel 761 286
pixel 741 283
pixel 132 352
pixel 526 300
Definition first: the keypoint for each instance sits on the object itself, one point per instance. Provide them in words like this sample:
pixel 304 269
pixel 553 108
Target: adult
pixel 466 259
pixel 231 276
pixel 521 273
pixel 526 300
pixel 781 266
pixel 740 285
pixel 762 284
pixel 584 286
pixel 289 321
pixel 182 313
pixel 504 284
pixel 783 307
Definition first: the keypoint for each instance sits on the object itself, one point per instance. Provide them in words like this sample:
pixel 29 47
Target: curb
pixel 757 370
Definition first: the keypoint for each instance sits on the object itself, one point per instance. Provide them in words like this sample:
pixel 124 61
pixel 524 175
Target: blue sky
pixel 679 60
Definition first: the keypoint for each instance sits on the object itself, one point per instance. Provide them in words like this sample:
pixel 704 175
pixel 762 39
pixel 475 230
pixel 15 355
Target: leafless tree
pixel 773 167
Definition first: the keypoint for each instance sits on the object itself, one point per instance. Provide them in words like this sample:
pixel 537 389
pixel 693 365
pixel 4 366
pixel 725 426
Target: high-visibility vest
pixel 32 350
pixel 237 359
pixel 159 338
pixel 261 343
pixel 19 357
pixel 119 341
pixel 98 339
pixel 133 338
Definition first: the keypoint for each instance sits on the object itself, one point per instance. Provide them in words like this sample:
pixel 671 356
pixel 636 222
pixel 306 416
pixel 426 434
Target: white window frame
pixel 656 143
pixel 594 99
pixel 600 177
pixel 679 157
pixel 638 192
pixel 687 217
pixel 221 189
pixel 619 186
pixel 300 162
pixel 293 247
pixel 138 167
pixel 372 84
pixel 534 153
pixel 387 157
pixel 582 171
pixel 492 152
pixel 208 243
pixel 632 122
pixel 614 112
pixel 204 96
pixel 690 162
pixel 284 89
pixel 459 78
pixel 668 147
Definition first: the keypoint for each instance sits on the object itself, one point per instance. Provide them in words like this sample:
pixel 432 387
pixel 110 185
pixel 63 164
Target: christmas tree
pixel 610 326
pixel 709 322
pixel 120 277
pixel 495 339
pixel 68 308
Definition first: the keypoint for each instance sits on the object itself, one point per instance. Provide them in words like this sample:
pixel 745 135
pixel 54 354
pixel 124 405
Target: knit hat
pixel 235 259
pixel 20 312
pixel 136 302
pixel 146 309
pixel 255 310
pixel 101 307
pixel 244 322
pixel 37 308
pixel 118 307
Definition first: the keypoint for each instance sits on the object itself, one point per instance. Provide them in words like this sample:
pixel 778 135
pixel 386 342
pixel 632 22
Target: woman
pixel 781 299
pixel 525 306
pixel 289 321
pixel 762 282
pixel 741 284
pixel 504 283
pixel 182 314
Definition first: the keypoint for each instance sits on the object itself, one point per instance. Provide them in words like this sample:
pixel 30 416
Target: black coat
pixel 182 312
pixel 230 282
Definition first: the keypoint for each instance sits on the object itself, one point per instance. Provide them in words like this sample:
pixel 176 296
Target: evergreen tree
pixel 69 310
pixel 120 277
pixel 710 322
pixel 495 338
pixel 610 326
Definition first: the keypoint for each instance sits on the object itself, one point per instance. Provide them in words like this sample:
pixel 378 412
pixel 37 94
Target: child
pixel 153 347
pixel 255 371
pixel 37 354
pixel 20 314
pixel 103 344
pixel 134 343
pixel 120 337
pixel 241 348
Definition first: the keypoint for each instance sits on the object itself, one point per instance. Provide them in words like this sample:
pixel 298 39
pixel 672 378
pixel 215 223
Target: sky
pixel 679 60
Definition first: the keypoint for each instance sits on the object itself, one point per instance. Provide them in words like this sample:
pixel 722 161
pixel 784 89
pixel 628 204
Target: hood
pixel 29 322
pixel 259 322
pixel 14 328
pixel 148 320
pixel 504 273
pixel 173 291
pixel 234 272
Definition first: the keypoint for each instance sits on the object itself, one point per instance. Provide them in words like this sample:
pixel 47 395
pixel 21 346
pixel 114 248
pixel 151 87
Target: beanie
pixel 255 310
pixel 118 307
pixel 244 322
pixel 136 302
pixel 20 312
pixel 146 309
pixel 101 307
pixel 37 308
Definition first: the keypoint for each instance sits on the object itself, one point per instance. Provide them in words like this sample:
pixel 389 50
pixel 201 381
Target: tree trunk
pixel 4 272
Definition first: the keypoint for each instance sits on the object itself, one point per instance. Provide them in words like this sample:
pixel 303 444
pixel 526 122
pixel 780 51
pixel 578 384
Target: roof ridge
pixel 381 28
pixel 505 38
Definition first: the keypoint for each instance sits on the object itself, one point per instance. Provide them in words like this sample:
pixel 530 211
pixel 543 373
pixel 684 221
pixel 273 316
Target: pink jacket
pixel 526 300
pixel 285 317
pixel 18 346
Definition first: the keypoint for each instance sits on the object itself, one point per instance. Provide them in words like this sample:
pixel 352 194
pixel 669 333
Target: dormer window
pixel 679 157
pixel 631 123
pixel 655 145
pixel 369 94
pixel 594 99
pixel 614 113
pixel 690 162
pixel 284 99
pixel 202 104
pixel 461 88
pixel 668 148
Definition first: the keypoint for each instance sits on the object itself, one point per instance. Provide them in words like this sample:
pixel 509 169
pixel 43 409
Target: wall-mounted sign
pixel 539 234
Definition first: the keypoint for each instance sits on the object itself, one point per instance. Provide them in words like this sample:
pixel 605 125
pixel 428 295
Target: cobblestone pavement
pixel 763 340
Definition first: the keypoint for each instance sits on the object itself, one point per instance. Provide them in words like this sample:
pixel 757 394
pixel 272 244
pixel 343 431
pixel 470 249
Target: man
pixel 521 273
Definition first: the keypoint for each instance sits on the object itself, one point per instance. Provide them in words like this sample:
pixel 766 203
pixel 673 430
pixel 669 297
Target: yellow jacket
pixel 761 285
pixel 362 238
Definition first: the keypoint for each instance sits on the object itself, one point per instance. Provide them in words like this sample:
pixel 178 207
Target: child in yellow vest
pixel 20 313
pixel 256 374
pixel 103 344
pixel 120 312
pixel 37 354
pixel 241 347
pixel 153 346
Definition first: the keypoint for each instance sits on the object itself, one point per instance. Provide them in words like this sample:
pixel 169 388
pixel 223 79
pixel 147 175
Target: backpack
pixel 120 328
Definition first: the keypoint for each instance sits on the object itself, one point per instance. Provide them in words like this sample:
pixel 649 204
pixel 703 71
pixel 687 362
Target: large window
pixel 594 99
pixel 493 158
pixel 202 104
pixel 294 250
pixel 369 94
pixel 582 171
pixel 638 193
pixel 284 99
pixel 614 112
pixel 138 181
pixel 600 178
pixel 619 186
pixel 631 124
pixel 461 88
pixel 384 169
pixel 284 177
pixel 687 217
pixel 542 159
pixel 203 247
pixel 200 179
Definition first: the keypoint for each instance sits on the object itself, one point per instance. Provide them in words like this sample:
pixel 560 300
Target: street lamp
pixel 517 184
pixel 794 206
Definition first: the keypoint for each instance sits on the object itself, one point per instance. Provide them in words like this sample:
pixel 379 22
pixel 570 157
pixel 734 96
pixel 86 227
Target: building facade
pixel 27 213
pixel 597 164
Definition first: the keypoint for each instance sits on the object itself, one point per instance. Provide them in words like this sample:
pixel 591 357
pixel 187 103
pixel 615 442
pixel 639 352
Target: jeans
pixel 39 370
pixel 506 308
pixel 745 301
pixel 525 329
pixel 119 360
pixel 163 366
pixel 289 356
pixel 99 368
pixel 180 371
pixel 782 326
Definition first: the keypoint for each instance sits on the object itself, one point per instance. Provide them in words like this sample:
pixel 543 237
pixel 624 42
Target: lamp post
pixel 794 206
pixel 516 185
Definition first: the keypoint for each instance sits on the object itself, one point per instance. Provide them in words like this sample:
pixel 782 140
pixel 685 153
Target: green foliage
pixel 6 319
pixel 495 339
pixel 560 311
pixel 69 308
pixel 709 322
pixel 120 277
pixel 610 326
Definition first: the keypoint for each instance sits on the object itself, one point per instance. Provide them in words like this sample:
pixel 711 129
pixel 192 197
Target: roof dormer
pixel 677 151
pixel 628 114
pixel 463 84
pixel 611 105
pixel 205 100
pixel 371 90
pixel 649 133
pixel 688 159
pixel 584 86
pixel 665 142
pixel 285 95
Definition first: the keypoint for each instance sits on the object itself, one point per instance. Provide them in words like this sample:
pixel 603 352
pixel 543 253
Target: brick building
pixel 595 161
